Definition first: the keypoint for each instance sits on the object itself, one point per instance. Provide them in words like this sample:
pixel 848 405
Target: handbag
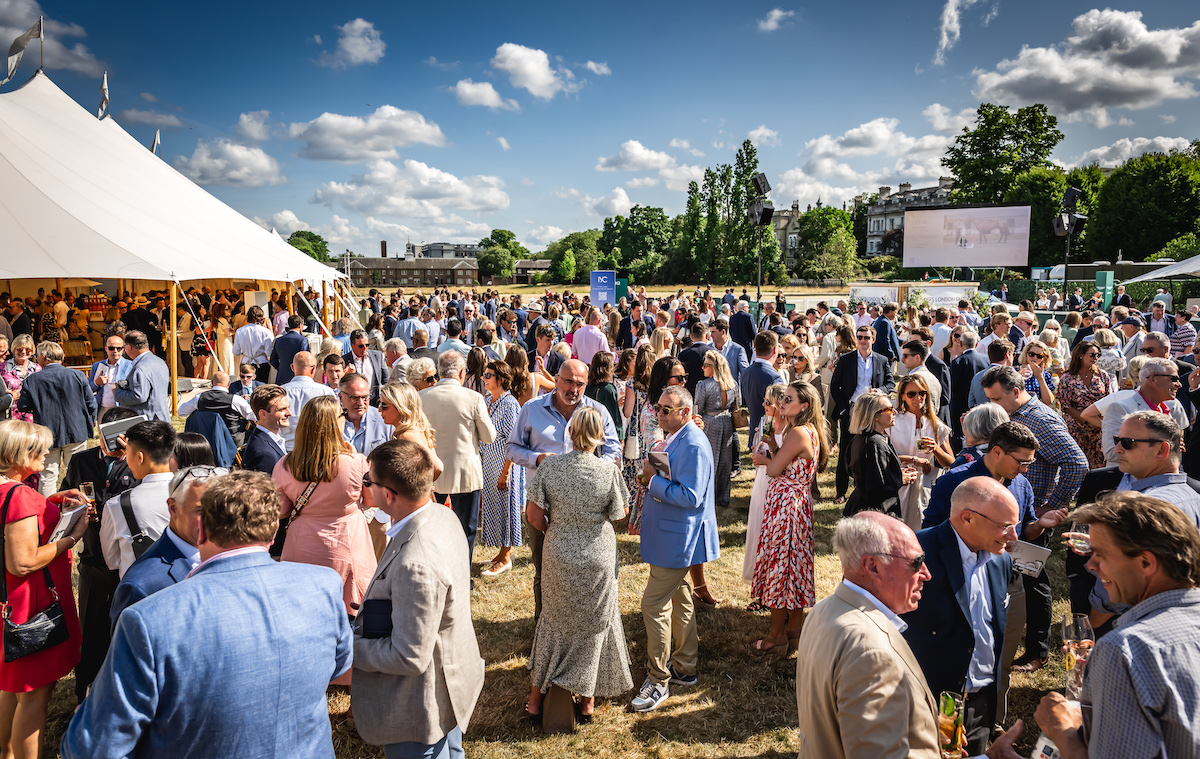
pixel 740 414
pixel 276 549
pixel 631 450
pixel 43 630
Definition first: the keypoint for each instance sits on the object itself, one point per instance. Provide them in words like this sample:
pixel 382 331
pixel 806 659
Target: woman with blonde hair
pixel 874 464
pixel 716 396
pixel 661 341
pixel 783 571
pixel 322 500
pixel 921 440
pixel 1034 366
pixel 773 425
pixel 17 369
pixel 1111 359
pixel 400 407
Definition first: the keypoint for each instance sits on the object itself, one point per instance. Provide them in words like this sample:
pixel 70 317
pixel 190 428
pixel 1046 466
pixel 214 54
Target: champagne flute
pixel 89 492
pixel 1078 639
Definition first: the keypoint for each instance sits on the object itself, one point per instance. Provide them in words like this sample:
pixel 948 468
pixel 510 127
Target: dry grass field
pixel 655 291
pixel 743 706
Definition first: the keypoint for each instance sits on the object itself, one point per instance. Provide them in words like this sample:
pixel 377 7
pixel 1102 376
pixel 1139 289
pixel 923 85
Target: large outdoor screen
pixel 990 236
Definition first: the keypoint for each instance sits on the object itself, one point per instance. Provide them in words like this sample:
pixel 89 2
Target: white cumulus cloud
pixel 1113 60
pixel 677 177
pixel 284 222
pixel 943 120
pixel 224 162
pixel 358 42
pixel 413 190
pixel 253 126
pixel 679 144
pixel 599 69
pixel 530 69
pixel 616 203
pixel 639 182
pixel 950 28
pixel 1122 150
pixel 334 137
pixel 545 234
pixel 482 93
pixel 763 137
pixel 634 156
pixel 774 19
pixel 149 98
pixel 17 16
pixel 503 143
pixel 152 118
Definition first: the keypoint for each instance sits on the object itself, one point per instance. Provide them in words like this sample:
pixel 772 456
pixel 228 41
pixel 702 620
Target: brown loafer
pixel 1029 665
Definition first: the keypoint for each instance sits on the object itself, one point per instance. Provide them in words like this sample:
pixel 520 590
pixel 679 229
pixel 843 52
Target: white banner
pixel 874 294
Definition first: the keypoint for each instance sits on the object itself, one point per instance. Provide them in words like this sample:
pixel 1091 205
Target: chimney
pixel 945 183
pixel 795 208
pixel 884 192
pixel 383 247
pixel 905 186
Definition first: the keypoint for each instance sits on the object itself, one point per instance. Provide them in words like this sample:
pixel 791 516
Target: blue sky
pixel 434 122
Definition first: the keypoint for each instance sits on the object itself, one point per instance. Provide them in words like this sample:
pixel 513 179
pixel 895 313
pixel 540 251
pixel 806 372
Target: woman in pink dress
pixel 329 529
pixel 783 571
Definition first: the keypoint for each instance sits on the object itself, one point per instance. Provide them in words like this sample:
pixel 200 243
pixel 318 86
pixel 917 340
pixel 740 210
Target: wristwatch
pixel 123 384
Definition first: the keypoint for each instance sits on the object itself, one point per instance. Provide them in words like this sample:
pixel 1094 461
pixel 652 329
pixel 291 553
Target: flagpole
pixel 41 43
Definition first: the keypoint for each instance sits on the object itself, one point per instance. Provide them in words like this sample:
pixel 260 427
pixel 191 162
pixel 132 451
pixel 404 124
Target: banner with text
pixel 604 288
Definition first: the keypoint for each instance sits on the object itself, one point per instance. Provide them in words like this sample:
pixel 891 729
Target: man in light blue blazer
pixel 233 661
pixel 363 426
pixel 113 368
pixel 679 529
pixel 146 389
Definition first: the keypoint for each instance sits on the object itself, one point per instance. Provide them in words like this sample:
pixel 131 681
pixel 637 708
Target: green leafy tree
pixel 858 222
pixel 1003 145
pixel 818 226
pixel 583 244
pixel 1042 189
pixel 1145 204
pixel 311 243
pixel 496 262
pixel 562 270
pixel 1179 249
pixel 837 259
pixel 503 238
pixel 645 229
pixel 681 263
pixel 644 269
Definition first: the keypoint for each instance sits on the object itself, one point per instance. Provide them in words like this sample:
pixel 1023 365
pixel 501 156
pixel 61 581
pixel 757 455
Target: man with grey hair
pixel 460 417
pixel 1158 383
pixel 1158 345
pixel 61 400
pixel 395 353
pixel 859 688
pixel 146 388
pixel 741 327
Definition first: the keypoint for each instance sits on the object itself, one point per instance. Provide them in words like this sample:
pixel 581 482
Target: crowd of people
pixel 369 461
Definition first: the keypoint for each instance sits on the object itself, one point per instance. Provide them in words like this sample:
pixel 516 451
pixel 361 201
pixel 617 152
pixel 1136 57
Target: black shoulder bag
pixel 137 536
pixel 46 628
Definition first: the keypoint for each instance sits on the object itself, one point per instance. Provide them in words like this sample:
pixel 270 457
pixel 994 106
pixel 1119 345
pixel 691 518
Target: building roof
pixel 533 263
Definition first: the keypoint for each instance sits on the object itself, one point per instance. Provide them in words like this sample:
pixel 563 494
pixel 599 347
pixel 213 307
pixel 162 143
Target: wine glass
pixel 1078 640
pixel 1079 539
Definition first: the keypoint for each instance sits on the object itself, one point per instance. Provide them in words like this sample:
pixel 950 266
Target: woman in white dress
pixel 224 342
pixel 921 439
pixel 758 495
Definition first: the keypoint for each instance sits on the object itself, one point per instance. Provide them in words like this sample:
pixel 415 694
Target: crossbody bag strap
pixel 301 502
pixel 127 509
pixel 4 555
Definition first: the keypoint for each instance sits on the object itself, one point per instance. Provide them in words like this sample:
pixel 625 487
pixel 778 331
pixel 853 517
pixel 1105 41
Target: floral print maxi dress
pixel 783 572
pixel 1074 393
pixel 643 424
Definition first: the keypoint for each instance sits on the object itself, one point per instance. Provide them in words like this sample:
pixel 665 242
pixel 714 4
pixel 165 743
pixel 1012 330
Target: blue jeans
pixel 449 747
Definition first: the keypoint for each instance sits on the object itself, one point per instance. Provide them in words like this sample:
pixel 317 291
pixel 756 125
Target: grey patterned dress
pixel 718 426
pixel 579 644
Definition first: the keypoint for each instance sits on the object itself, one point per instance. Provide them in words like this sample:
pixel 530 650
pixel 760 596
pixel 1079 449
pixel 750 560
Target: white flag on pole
pixel 100 114
pixel 157 140
pixel 17 49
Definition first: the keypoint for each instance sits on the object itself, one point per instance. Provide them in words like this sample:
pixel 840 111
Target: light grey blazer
pixel 424 680
pixel 148 388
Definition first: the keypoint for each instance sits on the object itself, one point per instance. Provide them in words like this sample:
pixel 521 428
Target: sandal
pixel 580 717
pixel 756 606
pixel 534 719
pixel 765 645
pixel 710 602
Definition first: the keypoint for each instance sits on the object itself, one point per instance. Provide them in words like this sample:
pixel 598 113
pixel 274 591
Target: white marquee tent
pixel 79 197
pixel 1188 268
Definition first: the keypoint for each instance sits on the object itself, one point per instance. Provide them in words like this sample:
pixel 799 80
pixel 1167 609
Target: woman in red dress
pixel 27 683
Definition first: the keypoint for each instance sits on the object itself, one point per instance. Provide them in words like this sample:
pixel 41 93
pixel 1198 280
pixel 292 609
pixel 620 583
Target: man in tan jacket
pixel 860 692
pixel 418 672
pixel 460 418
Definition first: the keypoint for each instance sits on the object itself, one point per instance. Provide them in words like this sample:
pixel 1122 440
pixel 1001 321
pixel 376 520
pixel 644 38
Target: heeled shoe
pixel 710 602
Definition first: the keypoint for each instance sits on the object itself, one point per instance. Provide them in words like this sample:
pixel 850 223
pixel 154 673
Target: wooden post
pixel 58 285
pixel 173 351
pixel 324 303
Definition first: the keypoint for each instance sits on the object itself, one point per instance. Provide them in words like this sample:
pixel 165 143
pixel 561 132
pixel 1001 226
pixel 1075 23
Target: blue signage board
pixel 604 288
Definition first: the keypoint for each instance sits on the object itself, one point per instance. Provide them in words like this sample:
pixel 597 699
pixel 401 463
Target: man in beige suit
pixel 860 692
pixel 418 672
pixel 460 418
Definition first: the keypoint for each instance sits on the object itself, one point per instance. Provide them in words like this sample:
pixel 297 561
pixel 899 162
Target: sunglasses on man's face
pixel 1127 442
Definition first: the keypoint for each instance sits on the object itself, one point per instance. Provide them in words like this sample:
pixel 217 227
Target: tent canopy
pixel 80 197
pixel 1188 268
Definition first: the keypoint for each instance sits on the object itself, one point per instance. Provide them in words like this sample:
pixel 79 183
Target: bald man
pixel 957 630
pixel 300 390
pixel 234 410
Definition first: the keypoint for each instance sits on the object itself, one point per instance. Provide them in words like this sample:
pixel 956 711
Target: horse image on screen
pixel 990 236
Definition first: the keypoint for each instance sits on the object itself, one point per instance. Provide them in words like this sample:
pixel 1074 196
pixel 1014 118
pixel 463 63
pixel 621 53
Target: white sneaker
pixel 649 697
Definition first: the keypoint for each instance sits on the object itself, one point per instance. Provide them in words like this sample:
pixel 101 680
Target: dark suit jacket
pixel 941 372
pixel 845 380
pixel 962 370
pixel 553 361
pixel 742 331
pixel 235 388
pixel 92 466
pixel 161 566
pixel 939 631
pixel 260 453
pixel 1123 300
pixel 62 400
pixel 887 341
pixel 756 378
pixel 693 361
pixel 425 352
pixel 283 351
pixel 379 371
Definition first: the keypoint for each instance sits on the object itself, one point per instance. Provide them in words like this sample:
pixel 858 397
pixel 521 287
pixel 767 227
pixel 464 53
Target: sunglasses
pixel 114 347
pixel 1127 442
pixel 661 409
pixel 916 562
pixel 489 375
pixel 680 377
pixel 1036 355
pixel 863 337
pixel 1093 354
pixel 368 482
pixel 916 394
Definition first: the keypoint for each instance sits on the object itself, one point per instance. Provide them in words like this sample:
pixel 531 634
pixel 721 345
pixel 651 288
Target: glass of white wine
pixel 1079 539
pixel 1078 639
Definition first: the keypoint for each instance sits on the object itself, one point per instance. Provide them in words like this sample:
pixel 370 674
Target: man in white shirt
pixel 148 448
pixel 941 330
pixel 861 317
pixel 300 391
pixel 253 341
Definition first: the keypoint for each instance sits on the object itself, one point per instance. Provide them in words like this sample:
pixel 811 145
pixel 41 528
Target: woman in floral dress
pixel 503 483
pixel 17 369
pixel 783 572
pixel 643 427
pixel 1080 386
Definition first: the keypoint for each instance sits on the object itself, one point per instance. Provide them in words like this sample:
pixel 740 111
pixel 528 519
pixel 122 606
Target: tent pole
pixel 173 351
pixel 324 303
pixel 58 285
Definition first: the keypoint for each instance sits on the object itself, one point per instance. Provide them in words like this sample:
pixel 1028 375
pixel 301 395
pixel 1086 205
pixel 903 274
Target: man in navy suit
pixel 760 375
pixel 679 529
pixel 247 644
pixel 246 382
pixel 692 357
pixel 957 631
pixel 962 370
pixel 285 349
pixel 625 329
pixel 174 554
pixel 741 327
pixel 854 374
pixel 265 446
pixel 887 342
pixel 62 400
